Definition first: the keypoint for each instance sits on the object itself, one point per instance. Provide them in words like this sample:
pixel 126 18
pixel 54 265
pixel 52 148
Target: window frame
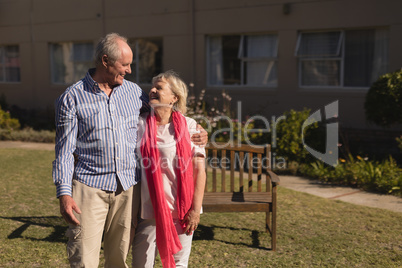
pixel 133 42
pixel 3 64
pixel 341 59
pixel 243 61
pixel 71 58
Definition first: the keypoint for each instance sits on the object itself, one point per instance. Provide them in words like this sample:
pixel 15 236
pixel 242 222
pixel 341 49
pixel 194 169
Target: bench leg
pixel 271 225
pixel 273 229
pixel 268 221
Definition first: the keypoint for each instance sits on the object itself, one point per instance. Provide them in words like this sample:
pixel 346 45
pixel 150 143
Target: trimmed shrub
pixel 383 103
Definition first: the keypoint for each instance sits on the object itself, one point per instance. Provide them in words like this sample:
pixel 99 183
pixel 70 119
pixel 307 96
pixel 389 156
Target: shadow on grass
pixel 55 222
pixel 207 233
pixel 59 228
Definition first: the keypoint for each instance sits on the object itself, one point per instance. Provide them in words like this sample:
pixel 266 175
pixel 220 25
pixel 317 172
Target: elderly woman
pixel 173 177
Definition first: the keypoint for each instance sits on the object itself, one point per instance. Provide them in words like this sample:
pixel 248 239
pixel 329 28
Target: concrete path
pixel 27 145
pixel 346 194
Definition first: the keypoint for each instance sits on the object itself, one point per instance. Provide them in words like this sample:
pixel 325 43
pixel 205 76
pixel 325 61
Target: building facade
pixel 272 55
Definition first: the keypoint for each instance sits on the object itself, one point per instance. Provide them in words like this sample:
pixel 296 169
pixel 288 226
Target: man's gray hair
pixel 108 46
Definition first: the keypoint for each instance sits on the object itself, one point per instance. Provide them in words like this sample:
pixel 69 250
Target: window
pixel 147 60
pixel 9 64
pixel 245 60
pixel 351 58
pixel 70 61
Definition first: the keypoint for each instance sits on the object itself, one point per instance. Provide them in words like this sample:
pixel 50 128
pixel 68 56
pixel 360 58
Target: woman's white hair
pixel 178 87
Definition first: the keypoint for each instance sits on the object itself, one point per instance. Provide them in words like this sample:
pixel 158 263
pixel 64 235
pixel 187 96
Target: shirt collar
pixel 92 85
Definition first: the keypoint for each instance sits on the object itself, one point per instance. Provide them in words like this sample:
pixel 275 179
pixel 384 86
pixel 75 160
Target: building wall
pixel 184 25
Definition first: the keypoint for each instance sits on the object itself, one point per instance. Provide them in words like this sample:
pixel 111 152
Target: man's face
pixel 116 71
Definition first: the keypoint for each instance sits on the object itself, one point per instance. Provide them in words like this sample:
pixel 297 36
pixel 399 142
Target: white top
pixel 167 151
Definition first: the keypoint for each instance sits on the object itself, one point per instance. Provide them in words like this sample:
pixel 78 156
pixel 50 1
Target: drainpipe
pixel 193 46
pixel 103 18
pixel 31 29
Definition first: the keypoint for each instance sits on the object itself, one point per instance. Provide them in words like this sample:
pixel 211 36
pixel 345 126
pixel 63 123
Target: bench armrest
pixel 274 178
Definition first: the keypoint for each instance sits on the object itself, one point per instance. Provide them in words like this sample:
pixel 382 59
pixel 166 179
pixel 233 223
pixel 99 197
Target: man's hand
pixel 67 205
pixel 201 138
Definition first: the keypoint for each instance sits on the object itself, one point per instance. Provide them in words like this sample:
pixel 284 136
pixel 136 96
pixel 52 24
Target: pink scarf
pixel 167 240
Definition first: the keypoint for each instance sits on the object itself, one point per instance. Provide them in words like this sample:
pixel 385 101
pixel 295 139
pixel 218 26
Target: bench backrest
pixel 238 168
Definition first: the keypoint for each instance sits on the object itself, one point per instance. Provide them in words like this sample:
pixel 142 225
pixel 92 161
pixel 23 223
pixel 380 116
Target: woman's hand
pixel 191 219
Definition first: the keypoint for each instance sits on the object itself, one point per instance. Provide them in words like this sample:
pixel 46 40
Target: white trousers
pixel 103 213
pixel 145 250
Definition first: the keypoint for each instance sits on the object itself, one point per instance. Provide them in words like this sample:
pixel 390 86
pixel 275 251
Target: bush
pixel 289 143
pixel 399 141
pixel 383 177
pixel 28 134
pixel 383 103
pixel 7 123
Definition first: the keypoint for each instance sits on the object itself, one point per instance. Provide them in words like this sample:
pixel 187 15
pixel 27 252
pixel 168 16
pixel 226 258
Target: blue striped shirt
pixel 101 132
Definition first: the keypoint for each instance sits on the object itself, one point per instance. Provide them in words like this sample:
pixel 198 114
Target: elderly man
pixel 94 169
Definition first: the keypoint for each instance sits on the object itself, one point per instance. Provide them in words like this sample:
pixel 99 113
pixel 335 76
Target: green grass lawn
pixel 312 231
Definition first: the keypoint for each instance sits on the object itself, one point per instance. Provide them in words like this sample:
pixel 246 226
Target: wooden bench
pixel 229 191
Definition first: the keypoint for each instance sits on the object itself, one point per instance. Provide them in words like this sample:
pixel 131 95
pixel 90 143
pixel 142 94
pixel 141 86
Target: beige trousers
pixel 103 214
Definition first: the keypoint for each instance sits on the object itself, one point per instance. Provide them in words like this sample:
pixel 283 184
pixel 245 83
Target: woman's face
pixel 161 94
